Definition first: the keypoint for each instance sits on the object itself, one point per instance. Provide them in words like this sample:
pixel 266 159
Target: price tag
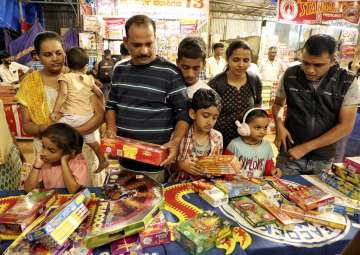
pixel 129 152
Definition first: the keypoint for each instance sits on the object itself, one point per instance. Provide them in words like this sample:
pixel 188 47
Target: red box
pixel 156 233
pixel 134 149
pixel 311 197
pixel 353 163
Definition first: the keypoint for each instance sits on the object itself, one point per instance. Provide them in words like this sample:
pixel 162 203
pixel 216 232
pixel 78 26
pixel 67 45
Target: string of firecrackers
pixel 175 203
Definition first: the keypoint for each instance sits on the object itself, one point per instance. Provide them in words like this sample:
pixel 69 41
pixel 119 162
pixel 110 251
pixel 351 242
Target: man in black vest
pixel 321 101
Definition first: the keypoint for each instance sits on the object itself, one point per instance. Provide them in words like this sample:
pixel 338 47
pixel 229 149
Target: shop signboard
pixel 156 9
pixel 318 11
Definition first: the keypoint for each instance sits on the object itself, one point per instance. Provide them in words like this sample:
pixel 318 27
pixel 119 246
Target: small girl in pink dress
pixel 60 164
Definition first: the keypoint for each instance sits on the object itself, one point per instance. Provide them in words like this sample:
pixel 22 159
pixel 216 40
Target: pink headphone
pixel 243 128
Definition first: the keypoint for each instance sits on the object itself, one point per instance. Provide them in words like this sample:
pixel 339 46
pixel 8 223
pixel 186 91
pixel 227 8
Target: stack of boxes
pixel 345 177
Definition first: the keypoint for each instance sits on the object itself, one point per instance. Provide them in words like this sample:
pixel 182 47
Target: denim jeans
pixel 301 166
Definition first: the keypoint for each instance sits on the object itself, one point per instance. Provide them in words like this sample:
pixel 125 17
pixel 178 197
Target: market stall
pixel 182 203
pixel 105 23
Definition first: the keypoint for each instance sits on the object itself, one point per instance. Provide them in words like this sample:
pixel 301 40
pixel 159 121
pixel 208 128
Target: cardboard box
pixel 126 246
pixel 133 200
pixel 198 234
pixel 251 211
pixel 353 163
pixel 333 220
pixel 134 149
pixel 58 216
pixel 237 187
pixel 214 196
pixel 219 165
pixel 156 233
pixel 262 200
pixel 311 197
pixel 25 210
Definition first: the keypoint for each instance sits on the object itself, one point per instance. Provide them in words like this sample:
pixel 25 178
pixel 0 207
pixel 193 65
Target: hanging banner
pixel 155 9
pixel 21 47
pixel 318 11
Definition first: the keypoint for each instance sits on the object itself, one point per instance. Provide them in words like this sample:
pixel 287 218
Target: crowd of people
pixel 148 98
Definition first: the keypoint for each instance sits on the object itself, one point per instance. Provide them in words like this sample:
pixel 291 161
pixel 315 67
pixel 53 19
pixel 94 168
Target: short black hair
pixel 33 53
pixel 77 58
pixel 217 45
pixel 43 36
pixel 257 113
pixel 239 44
pixel 205 98
pixel 192 47
pixel 318 44
pixel 139 20
pixel 4 54
pixel 107 52
pixel 65 137
pixel 123 50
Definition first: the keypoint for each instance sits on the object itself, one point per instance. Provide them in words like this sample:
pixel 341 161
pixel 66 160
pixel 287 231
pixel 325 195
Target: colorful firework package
pixel 200 233
pixel 55 230
pixel 353 163
pixel 156 233
pixel 333 220
pixel 126 246
pixel 134 199
pixel 21 246
pixel 237 187
pixel 307 197
pixel 220 165
pixel 24 210
pixel 214 196
pixel 262 200
pixel 137 150
pixel 251 211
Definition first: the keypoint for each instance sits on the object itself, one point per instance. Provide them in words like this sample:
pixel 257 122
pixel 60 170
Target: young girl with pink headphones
pixel 254 152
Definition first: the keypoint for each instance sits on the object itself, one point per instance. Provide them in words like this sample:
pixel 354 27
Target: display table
pixel 305 239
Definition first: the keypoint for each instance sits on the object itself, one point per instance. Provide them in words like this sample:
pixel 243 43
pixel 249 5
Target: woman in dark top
pixel 238 89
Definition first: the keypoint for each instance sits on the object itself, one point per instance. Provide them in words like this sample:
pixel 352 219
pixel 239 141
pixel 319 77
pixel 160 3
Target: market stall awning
pixel 258 8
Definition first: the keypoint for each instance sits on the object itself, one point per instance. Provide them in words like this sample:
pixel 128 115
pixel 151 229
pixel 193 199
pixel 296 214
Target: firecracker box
pixel 156 233
pixel 346 174
pixel 214 196
pixel 59 236
pixel 132 202
pixel 251 211
pixel 353 163
pixel 59 215
pixel 219 165
pixel 341 185
pixel 280 186
pixel 21 246
pixel 333 220
pixel 237 187
pixel 262 200
pixel 137 150
pixel 198 234
pixel 311 197
pixel 25 210
pixel 126 246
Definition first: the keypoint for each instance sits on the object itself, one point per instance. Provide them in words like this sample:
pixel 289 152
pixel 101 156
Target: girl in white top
pixel 73 104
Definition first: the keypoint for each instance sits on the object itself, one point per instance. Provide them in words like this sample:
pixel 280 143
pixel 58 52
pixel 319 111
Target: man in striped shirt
pixel 148 97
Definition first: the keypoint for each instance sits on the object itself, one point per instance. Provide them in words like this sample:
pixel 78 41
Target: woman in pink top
pixel 60 164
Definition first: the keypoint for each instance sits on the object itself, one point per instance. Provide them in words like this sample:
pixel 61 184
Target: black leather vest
pixel 312 112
